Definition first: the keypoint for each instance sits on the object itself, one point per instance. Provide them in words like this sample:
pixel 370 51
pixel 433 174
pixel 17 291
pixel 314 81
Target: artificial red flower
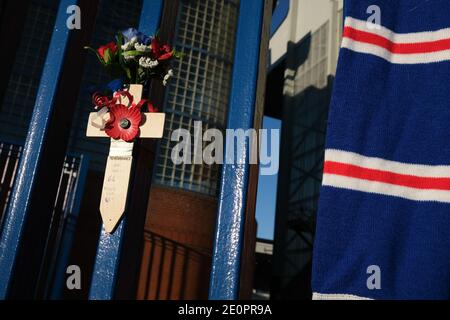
pixel 151 107
pixel 112 49
pixel 124 122
pixel 99 100
pixel 163 52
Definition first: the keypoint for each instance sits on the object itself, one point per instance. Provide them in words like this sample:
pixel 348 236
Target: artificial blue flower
pixel 113 86
pixel 145 39
pixel 130 33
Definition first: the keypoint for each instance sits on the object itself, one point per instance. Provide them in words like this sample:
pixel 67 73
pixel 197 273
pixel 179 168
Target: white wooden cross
pixel 120 159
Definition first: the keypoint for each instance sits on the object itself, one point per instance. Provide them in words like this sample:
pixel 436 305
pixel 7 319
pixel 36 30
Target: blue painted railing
pixel 17 212
pixel 224 282
pixel 110 245
pixel 65 212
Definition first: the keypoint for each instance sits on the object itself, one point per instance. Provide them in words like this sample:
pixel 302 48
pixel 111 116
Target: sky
pixel 267 185
pixel 267 192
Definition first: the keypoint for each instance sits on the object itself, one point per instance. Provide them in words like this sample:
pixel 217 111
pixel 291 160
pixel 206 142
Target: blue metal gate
pixel 248 70
pixel 65 211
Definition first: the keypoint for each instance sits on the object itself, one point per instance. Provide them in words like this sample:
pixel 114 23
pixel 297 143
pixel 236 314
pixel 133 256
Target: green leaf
pixel 178 54
pixel 141 74
pixel 122 62
pixel 127 72
pixel 120 40
pixel 97 54
pixel 108 56
pixel 119 46
pixel 132 53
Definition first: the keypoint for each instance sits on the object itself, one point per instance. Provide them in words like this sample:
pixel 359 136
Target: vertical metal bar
pixel 109 247
pixel 11 181
pixel 150 16
pixel 224 281
pixel 20 200
pixel 68 234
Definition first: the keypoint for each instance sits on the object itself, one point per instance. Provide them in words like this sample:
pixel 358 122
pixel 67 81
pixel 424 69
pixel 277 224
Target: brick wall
pixel 178 243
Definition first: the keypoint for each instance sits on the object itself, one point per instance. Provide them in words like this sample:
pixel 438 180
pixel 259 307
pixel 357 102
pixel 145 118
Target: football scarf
pixel 383 225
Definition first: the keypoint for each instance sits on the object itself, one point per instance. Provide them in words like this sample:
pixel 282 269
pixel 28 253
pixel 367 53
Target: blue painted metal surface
pixel 16 214
pixel 106 264
pixel 150 16
pixel 109 247
pixel 224 282
pixel 279 15
pixel 68 233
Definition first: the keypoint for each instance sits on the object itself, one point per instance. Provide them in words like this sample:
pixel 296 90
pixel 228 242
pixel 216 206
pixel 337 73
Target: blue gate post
pixel 16 214
pixel 229 236
pixel 109 248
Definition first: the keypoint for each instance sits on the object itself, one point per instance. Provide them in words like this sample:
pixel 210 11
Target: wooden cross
pixel 120 159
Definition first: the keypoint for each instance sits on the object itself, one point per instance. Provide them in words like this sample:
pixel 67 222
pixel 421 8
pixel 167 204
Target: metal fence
pixel 65 210
pixel 9 161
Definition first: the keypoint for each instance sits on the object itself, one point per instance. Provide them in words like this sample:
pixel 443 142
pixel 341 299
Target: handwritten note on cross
pixel 120 159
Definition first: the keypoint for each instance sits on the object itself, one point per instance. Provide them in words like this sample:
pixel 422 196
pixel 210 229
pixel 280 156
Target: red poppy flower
pixel 163 52
pixel 124 122
pixel 112 50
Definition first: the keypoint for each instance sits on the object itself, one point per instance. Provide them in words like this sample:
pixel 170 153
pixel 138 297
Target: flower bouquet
pixel 132 61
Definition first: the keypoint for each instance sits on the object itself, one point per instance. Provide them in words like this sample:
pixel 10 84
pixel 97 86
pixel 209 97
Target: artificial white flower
pixel 129 45
pixel 129 58
pixel 168 75
pixel 146 62
pixel 142 47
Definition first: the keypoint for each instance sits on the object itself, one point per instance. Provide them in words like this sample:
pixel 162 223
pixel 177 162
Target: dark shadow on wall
pixel 304 117
pixel 172 270
pixel 300 177
pixel 274 99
